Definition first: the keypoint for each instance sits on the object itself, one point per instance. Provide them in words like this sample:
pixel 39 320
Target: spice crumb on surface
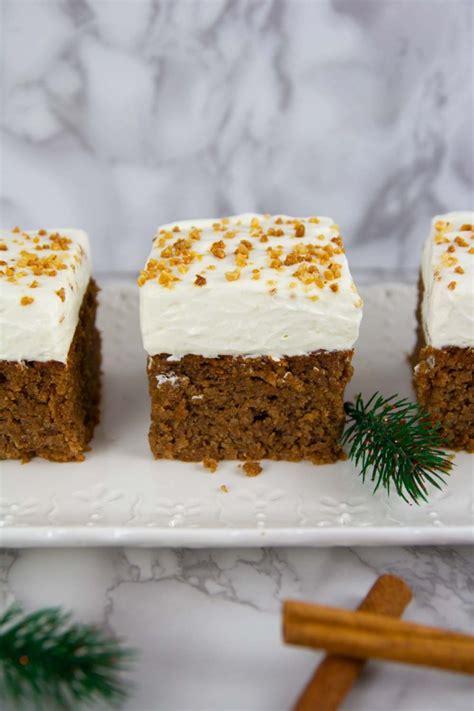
pixel 210 465
pixel 252 468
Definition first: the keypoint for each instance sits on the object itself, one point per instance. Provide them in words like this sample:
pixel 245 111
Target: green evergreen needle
pixel 395 445
pixel 51 662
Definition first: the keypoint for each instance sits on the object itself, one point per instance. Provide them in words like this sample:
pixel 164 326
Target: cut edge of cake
pixel 444 355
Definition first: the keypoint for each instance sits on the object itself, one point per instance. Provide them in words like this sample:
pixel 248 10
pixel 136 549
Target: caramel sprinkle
pixel 233 276
pixel 26 300
pixel 218 249
pixel 310 245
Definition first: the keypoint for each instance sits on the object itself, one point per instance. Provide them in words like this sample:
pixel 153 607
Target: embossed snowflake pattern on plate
pixel 120 495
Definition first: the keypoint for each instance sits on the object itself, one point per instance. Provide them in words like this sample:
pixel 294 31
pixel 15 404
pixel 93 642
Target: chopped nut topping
pixel 448 261
pixel 200 280
pixel 26 300
pixel 3 248
pixel 255 274
pixel 218 249
pixel 452 285
pixel 233 276
pixel 334 287
pixel 34 284
pixel 466 228
pixel 224 489
pixel 61 293
pixel 459 270
pixel 299 230
pixel 461 242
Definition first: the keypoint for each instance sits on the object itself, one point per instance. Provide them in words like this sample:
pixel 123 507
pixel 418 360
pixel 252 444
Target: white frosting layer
pixel 236 313
pixel 43 279
pixel 448 280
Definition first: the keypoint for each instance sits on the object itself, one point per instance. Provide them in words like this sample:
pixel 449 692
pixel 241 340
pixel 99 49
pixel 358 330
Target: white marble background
pixel 120 115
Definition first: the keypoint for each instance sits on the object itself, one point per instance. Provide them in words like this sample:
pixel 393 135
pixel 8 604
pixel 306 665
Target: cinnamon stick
pixel 365 634
pixel 335 676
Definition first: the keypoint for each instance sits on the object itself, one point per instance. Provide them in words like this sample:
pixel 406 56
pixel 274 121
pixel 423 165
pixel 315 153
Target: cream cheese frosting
pixel 448 281
pixel 43 277
pixel 250 285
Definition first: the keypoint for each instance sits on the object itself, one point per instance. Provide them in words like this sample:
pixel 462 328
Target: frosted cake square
pixel 49 346
pixel 444 371
pixel 249 323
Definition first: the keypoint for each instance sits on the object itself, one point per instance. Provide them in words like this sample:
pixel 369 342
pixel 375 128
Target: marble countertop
pixel 207 622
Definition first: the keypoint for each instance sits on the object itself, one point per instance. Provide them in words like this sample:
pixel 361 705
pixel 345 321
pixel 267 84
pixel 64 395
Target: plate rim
pixel 174 537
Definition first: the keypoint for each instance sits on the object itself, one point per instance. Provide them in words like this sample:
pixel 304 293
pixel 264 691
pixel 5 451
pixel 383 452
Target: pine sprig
pixel 47 660
pixel 394 444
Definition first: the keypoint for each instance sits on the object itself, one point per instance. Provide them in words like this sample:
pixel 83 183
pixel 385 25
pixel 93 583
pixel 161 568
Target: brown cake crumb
pixel 252 468
pixel 210 464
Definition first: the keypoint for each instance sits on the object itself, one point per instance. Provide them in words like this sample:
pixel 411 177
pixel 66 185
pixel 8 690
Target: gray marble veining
pixel 118 116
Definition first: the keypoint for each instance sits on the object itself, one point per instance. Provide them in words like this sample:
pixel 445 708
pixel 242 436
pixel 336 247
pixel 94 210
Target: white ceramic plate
pixel 121 496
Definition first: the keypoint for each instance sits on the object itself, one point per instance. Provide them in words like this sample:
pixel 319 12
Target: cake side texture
pixel 49 409
pixel 248 408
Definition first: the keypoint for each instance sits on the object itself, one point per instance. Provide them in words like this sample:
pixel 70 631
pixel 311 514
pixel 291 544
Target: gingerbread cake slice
pixel 249 323
pixel 49 345
pixel 444 370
